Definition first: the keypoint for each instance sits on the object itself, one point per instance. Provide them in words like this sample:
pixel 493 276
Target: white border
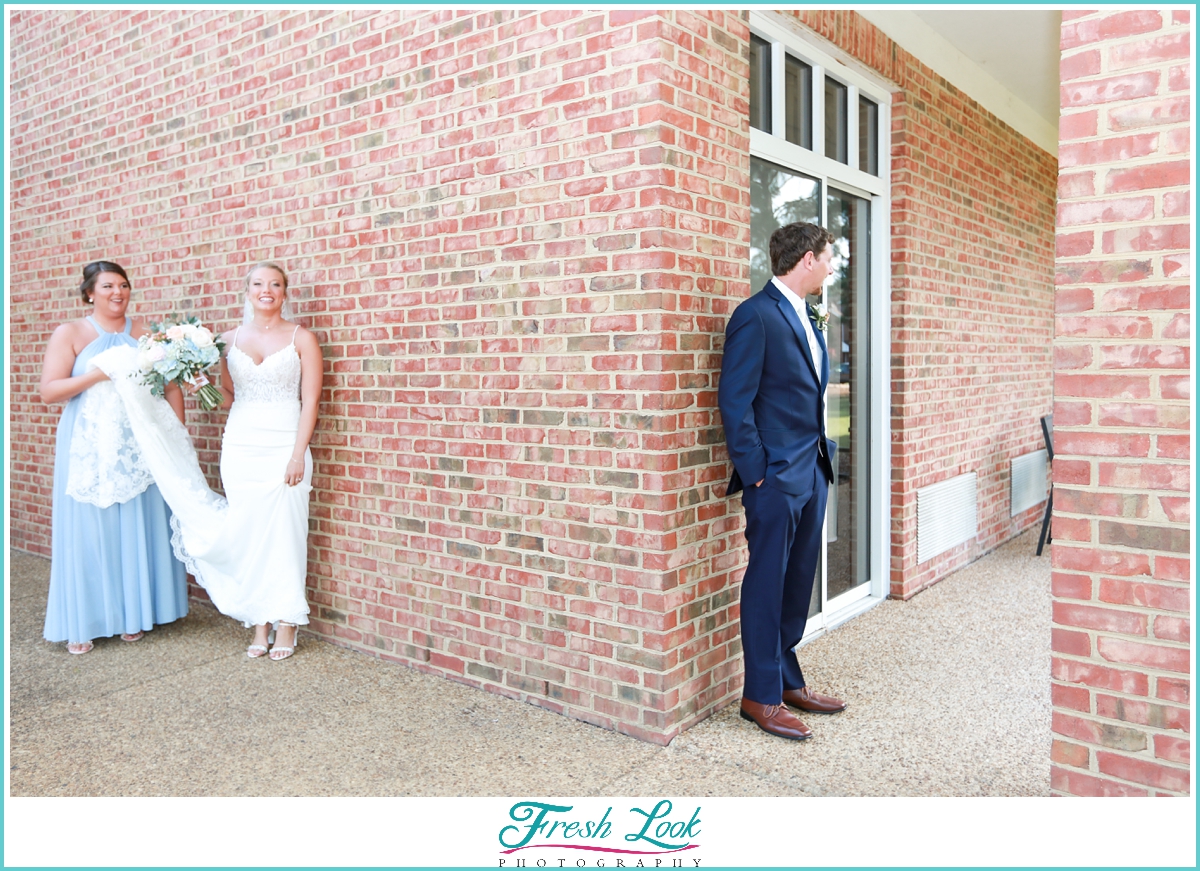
pixel 397 832
pixel 734 832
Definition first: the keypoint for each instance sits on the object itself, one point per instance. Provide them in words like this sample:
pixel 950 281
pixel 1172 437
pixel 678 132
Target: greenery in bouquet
pixel 181 351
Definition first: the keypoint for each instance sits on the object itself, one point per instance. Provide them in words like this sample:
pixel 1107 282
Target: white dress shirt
pixel 802 313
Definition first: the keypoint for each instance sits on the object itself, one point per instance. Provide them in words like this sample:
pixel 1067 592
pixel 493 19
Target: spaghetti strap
pixel 294 334
pixel 233 341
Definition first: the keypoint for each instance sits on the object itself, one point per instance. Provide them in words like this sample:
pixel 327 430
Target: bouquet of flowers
pixel 180 351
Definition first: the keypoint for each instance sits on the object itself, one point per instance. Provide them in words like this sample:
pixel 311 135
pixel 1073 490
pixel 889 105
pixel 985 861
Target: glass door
pixel 781 196
pixel 847 296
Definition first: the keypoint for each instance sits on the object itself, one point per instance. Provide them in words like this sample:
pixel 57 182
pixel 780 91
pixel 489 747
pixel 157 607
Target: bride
pixel 271 373
pixel 249 549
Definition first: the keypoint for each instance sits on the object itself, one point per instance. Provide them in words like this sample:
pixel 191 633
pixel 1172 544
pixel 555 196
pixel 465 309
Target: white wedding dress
pixel 249 549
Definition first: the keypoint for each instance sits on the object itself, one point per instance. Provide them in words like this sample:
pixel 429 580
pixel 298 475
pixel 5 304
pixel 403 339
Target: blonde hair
pixel 267 264
pixel 248 309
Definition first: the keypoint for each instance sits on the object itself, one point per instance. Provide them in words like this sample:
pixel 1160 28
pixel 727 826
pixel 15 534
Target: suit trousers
pixel 784 535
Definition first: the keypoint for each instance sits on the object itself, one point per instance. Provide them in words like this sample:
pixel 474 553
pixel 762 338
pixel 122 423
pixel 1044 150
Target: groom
pixel 773 379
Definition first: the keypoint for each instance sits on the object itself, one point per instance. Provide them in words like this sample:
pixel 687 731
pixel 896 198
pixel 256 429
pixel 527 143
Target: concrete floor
pixel 948 694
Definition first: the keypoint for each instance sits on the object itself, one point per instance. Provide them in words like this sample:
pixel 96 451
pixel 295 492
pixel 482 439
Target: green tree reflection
pixel 777 197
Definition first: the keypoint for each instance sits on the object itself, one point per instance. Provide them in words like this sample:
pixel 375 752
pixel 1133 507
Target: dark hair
pixel 92 271
pixel 791 242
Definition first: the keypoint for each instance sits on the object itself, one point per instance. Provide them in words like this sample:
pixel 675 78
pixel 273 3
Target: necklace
pixel 111 325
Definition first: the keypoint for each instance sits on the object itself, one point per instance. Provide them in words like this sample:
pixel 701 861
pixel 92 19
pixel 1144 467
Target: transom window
pixel 813 103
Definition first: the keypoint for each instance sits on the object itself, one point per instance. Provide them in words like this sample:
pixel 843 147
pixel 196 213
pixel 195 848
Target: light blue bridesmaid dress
pixel 112 569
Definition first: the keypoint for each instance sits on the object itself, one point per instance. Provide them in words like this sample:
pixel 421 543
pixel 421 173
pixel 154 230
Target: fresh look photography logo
pixel 636 837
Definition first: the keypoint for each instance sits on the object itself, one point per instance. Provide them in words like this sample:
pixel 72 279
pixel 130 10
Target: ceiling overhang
pixel 1004 59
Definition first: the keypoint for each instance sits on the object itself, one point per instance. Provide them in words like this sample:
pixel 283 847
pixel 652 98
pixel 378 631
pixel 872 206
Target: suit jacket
pixel 771 397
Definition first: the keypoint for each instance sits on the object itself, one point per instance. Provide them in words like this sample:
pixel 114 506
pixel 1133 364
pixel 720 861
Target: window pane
pixel 868 136
pixel 777 196
pixel 836 95
pixel 847 295
pixel 797 91
pixel 760 83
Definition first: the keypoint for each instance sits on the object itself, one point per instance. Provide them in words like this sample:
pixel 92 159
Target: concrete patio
pixel 949 696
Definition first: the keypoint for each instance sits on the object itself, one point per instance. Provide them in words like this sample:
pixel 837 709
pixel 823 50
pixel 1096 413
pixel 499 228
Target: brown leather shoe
pixel 814 703
pixel 775 719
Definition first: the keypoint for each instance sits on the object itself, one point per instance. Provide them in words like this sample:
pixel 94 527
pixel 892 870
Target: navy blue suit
pixel 772 407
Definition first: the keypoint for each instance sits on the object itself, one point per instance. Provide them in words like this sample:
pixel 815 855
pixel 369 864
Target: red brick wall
pixel 1122 468
pixel 517 235
pixel 972 298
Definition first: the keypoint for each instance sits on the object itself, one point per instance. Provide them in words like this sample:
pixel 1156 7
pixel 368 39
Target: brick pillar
pixel 1122 509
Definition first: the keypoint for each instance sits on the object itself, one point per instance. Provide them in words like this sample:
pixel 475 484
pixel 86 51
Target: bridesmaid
pixel 112 570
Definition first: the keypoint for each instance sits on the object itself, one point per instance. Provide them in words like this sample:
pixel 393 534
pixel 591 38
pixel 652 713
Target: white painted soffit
pixel 940 55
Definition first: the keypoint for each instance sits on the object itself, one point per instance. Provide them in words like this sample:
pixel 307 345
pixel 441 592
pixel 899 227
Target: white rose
pixel 202 338
pixel 157 353
pixel 143 360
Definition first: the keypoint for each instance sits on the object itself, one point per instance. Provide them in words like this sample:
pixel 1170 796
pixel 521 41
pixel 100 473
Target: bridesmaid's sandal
pixel 75 649
pixel 136 636
pixel 280 651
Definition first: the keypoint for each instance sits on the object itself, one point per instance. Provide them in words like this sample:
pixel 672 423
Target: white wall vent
pixel 946 515
pixel 1028 481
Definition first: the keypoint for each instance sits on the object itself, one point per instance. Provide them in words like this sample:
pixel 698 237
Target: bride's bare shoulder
pixel 306 338
pixel 300 330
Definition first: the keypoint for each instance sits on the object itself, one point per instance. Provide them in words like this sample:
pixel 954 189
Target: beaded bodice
pixel 275 379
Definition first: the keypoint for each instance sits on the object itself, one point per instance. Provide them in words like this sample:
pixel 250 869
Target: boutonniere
pixel 820 314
